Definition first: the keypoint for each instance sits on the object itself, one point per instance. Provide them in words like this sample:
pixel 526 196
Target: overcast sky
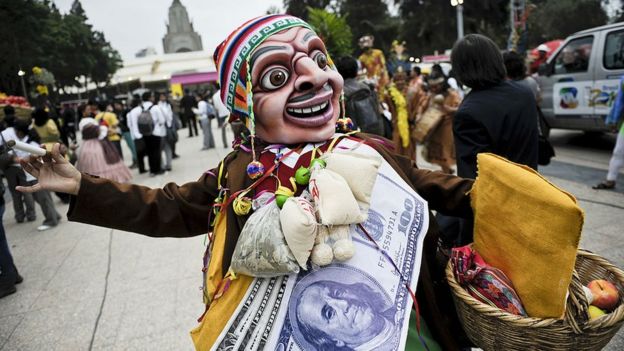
pixel 131 25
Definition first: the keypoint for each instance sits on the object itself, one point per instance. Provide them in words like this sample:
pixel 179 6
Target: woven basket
pixel 493 329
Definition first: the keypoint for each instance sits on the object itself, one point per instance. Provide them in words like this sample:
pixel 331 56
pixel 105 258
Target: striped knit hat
pixel 232 59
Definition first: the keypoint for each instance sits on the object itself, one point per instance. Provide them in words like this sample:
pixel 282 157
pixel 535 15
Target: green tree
pixel 21 24
pixel 300 8
pixel 37 34
pixel 370 17
pixel 430 25
pixel 334 31
pixel 107 60
pixel 546 21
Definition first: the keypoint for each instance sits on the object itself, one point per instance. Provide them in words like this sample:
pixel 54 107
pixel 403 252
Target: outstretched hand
pixel 53 172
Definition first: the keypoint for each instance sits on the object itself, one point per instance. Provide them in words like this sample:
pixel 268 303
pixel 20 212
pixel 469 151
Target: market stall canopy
pixel 163 66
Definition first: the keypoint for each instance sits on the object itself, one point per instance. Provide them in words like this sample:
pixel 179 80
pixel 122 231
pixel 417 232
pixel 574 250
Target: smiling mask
pixel 276 76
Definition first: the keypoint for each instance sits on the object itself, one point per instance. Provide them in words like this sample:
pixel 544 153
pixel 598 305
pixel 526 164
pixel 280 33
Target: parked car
pixel 580 80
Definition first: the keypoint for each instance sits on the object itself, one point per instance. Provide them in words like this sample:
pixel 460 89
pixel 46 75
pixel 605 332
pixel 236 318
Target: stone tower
pixel 180 37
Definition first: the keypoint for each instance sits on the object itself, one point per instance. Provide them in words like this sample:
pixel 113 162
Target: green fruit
pixel 321 163
pixel 595 312
pixel 280 200
pixel 302 176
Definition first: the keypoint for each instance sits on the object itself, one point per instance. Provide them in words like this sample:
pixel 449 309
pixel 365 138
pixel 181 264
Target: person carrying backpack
pixel 147 125
pixel 361 103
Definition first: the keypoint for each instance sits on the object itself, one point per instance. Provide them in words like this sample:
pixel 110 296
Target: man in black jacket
pixel 187 103
pixel 361 102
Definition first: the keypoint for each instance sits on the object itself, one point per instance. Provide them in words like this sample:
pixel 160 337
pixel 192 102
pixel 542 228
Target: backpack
pixel 145 123
pixel 363 108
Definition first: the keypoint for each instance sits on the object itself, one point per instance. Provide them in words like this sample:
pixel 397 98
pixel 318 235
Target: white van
pixel 579 81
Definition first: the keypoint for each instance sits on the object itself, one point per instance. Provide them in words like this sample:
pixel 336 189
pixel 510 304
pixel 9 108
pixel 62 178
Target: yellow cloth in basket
pixel 528 228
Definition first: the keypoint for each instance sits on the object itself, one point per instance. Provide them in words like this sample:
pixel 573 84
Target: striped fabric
pixel 484 282
pixel 231 56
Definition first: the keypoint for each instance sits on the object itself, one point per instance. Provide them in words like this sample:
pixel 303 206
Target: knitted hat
pixel 232 56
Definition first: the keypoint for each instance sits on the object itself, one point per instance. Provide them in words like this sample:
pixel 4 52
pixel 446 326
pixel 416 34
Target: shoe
pixel 43 227
pixel 607 184
pixel 7 289
pixel 21 220
pixel 168 169
pixel 175 156
pixel 32 219
pixel 142 172
pixel 133 166
pixel 19 279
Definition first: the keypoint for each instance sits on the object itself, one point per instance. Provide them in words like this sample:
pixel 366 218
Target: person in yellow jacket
pixel 106 116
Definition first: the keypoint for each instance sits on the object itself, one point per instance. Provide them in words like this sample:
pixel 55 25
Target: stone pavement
pixel 87 287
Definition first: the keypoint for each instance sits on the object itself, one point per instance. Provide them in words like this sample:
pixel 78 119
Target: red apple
pixel 606 295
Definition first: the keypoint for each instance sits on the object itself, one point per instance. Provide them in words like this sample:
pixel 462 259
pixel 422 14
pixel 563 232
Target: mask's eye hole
pixel 274 78
pixel 321 60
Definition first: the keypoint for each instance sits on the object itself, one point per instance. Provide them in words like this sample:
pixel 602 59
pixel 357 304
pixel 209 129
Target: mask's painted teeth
pixel 307 110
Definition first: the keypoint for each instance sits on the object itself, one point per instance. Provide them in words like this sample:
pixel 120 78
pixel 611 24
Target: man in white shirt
pixel 148 144
pixel 206 113
pixel 14 173
pixel 222 114
pixel 168 141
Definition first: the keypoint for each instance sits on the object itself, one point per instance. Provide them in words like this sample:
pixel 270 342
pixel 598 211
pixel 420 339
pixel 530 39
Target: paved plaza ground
pixel 87 287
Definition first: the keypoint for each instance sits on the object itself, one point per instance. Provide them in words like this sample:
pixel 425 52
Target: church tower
pixel 180 37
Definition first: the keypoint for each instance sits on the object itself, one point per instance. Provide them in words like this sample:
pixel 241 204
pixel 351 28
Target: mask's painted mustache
pixel 303 97
pixel 307 96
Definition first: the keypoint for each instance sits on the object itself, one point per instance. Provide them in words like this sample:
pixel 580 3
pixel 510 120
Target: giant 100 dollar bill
pixel 360 304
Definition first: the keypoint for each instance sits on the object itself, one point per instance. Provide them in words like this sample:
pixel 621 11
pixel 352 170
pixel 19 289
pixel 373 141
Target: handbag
pixel 172 135
pixel 545 151
pixel 427 123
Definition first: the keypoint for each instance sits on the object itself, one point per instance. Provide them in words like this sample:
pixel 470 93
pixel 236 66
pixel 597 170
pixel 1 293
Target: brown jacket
pixel 182 211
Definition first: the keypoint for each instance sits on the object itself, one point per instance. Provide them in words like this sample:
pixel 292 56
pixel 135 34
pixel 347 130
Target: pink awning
pixel 194 78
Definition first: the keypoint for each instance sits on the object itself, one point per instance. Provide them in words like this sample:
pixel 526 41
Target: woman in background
pixel 97 156
pixel 440 147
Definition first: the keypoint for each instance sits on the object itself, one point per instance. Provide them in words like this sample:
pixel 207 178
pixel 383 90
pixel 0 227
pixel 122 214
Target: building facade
pixel 181 36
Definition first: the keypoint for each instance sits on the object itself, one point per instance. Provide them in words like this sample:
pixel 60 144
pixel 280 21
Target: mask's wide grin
pixel 311 110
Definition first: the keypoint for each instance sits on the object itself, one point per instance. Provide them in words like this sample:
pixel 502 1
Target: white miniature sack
pixel 359 170
pixel 299 226
pixel 334 200
pixel 261 250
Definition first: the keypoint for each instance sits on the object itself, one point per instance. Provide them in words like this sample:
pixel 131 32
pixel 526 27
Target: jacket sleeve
pixel 471 138
pixel 173 211
pixel 616 111
pixel 445 193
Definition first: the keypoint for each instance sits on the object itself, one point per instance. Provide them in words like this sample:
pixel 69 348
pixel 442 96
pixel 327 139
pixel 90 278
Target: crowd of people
pixel 487 103
pixel 434 110
pixel 91 135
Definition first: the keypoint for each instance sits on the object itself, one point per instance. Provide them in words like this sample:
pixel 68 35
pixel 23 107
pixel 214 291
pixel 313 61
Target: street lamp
pixel 21 74
pixel 460 17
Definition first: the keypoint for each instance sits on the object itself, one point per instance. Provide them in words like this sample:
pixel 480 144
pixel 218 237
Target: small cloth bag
pixel 261 249
pixel 484 282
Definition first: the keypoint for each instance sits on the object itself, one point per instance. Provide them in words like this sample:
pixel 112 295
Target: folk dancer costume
pixel 275 76
pixel 375 63
pixel 440 146
pixel 399 60
pixel 403 119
